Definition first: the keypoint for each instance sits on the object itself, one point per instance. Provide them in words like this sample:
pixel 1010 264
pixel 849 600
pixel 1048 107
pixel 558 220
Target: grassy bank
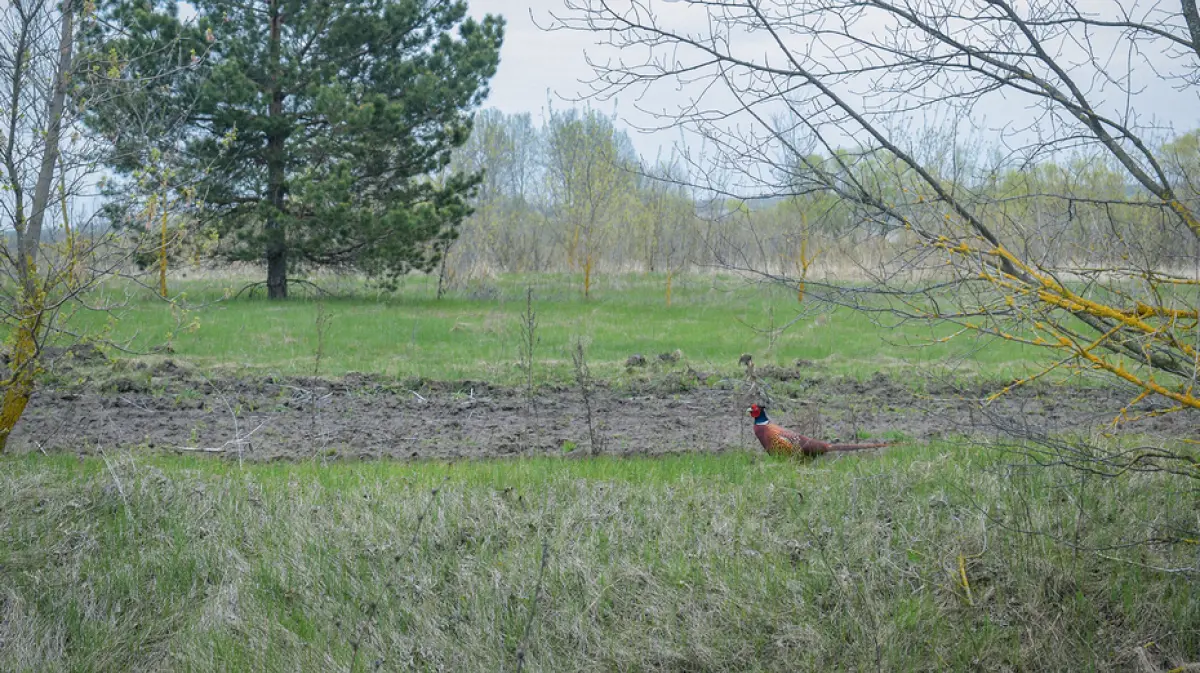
pixel 903 561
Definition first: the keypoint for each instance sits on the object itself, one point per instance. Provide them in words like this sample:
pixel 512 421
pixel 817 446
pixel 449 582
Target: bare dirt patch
pixel 176 408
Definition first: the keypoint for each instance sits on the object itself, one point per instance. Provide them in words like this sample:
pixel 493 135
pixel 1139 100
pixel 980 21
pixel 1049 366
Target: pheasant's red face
pixel 754 410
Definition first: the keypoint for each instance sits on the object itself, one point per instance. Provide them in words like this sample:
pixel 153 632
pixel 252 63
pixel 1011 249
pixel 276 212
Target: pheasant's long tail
pixel 857 447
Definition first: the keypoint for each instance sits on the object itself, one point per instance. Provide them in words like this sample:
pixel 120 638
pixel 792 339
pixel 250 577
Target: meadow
pixel 931 555
pixel 474 332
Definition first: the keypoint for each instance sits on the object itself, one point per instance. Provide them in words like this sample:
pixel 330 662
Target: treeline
pixel 570 194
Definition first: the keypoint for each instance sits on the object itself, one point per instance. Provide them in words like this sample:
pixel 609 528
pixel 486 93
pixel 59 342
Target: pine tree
pixel 317 133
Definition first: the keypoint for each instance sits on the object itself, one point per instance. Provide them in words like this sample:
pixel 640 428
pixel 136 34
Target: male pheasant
pixel 779 441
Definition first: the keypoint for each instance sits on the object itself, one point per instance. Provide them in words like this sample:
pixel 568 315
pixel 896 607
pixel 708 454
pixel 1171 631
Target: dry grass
pixel 686 563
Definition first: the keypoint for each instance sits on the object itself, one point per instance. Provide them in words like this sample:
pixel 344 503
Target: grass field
pixel 937 556
pixel 474 333
pixel 907 561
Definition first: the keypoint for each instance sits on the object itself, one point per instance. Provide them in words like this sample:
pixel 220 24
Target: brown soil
pixel 173 408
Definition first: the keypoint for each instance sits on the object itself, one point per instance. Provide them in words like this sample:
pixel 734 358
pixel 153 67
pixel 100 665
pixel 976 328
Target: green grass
pixel 678 563
pixel 473 333
pixel 684 563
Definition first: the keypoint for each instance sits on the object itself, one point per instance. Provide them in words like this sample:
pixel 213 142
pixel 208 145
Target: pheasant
pixel 779 441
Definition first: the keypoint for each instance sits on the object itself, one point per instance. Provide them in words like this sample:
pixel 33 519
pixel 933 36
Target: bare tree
pixel 589 181
pixel 58 248
pixel 35 63
pixel 665 222
pixel 882 103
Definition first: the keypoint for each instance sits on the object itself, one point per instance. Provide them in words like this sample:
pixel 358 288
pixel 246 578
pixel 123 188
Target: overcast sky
pixel 532 61
pixel 537 66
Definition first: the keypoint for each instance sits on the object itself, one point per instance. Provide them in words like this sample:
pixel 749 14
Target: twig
pixel 583 378
pixel 537 595
pixel 425 512
pixel 117 481
pixel 238 441
pixel 322 326
pixel 529 342
pixel 131 403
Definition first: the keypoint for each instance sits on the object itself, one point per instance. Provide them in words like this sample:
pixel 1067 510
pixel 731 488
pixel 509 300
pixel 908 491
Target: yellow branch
pixel 962 574
pixel 1074 303
pixel 1183 399
pixel 1187 215
pixel 72 261
pixel 1144 310
pixel 1122 415
pixel 1056 294
pixel 162 253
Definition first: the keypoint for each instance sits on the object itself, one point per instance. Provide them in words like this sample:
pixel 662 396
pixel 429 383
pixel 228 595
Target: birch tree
pixel 58 248
pixel 589 181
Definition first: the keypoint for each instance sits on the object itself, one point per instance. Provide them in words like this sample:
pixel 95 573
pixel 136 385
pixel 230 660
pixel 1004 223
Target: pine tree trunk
pixel 276 270
pixel 441 288
pixel 276 234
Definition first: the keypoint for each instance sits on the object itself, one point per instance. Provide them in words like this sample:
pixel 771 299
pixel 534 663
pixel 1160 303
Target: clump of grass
pixel 321 330
pixel 729 562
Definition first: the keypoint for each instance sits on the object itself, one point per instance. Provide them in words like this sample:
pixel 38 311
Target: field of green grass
pixel 474 331
pixel 938 556
pixel 923 558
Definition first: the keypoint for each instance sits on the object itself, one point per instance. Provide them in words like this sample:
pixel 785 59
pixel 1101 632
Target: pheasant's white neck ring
pixel 762 420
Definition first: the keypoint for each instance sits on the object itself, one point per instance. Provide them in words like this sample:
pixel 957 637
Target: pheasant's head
pixel 759 414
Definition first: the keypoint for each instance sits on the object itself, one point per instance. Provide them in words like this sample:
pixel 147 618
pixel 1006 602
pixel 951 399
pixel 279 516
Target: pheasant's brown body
pixel 779 441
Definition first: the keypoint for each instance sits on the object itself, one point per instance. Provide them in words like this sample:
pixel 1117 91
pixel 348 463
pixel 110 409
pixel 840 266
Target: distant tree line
pixel 570 194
